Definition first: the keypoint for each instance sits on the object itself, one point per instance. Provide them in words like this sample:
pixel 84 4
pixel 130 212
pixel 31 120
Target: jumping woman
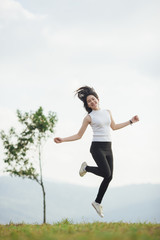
pixel 101 147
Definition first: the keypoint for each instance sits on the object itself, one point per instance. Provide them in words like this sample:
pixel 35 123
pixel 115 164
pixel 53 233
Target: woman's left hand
pixel 135 119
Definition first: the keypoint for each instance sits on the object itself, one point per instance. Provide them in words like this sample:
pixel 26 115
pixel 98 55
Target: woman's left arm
pixel 115 126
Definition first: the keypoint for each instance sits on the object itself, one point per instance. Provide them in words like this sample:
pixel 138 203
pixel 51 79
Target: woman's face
pixel 92 102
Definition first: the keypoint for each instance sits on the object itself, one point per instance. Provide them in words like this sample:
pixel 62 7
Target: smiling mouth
pixel 93 105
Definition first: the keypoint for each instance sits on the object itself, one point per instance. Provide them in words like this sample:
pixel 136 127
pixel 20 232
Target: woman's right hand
pixel 58 140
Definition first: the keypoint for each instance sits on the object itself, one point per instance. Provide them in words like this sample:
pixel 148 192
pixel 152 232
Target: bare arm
pixel 77 136
pixel 115 126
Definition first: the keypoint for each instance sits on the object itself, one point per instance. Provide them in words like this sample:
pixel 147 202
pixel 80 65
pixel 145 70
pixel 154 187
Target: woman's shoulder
pixel 87 118
pixel 107 110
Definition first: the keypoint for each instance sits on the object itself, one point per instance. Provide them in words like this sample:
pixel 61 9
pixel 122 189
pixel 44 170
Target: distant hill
pixel 21 201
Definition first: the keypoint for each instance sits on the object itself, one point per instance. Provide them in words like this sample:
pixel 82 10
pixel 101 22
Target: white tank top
pixel 100 123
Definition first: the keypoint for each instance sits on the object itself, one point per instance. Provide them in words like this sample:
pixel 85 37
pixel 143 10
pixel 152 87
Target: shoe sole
pixel 82 174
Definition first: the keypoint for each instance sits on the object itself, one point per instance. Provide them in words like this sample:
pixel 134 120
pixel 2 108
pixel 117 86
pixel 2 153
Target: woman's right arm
pixel 77 136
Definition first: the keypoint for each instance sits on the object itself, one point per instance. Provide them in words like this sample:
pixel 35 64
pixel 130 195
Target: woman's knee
pixel 111 177
pixel 107 173
pixel 108 177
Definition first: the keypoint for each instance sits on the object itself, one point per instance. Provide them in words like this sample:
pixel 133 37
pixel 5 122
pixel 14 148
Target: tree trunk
pixel 44 203
pixel 42 185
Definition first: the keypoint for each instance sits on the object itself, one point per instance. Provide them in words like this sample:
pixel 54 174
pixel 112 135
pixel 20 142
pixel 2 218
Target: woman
pixel 100 120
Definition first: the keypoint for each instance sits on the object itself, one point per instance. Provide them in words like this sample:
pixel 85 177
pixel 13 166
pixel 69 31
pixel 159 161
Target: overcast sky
pixel 50 48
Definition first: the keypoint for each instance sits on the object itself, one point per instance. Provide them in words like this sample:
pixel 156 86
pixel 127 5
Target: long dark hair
pixel 83 92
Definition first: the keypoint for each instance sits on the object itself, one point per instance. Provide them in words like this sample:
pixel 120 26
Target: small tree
pixel 36 129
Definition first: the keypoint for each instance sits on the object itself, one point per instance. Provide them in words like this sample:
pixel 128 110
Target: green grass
pixel 66 230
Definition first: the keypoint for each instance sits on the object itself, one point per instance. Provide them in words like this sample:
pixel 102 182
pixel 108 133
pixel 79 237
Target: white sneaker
pixel 98 208
pixel 82 170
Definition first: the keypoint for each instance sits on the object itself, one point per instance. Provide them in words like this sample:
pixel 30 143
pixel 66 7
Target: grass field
pixel 66 230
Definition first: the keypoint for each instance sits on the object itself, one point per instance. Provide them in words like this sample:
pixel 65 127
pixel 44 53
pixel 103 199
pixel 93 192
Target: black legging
pixel 102 154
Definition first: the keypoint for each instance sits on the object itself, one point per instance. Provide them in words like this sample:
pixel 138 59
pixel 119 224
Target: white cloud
pixel 43 62
pixel 119 40
pixel 11 10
